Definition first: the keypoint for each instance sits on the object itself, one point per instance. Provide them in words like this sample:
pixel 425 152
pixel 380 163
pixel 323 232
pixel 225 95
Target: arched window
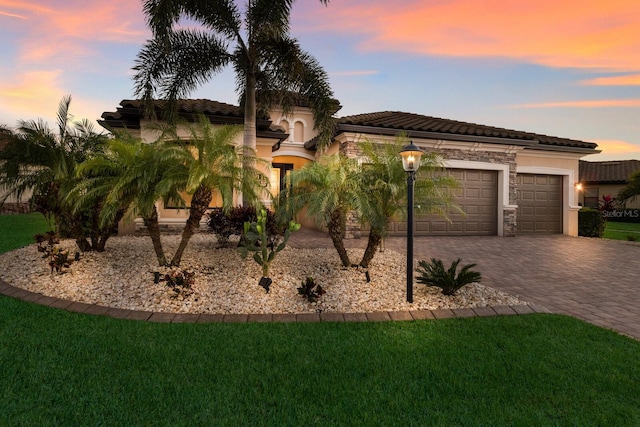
pixel 298 132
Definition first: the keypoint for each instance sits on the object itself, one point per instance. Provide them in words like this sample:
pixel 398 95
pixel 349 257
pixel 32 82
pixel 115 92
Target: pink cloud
pixel 600 103
pixel 626 80
pixel 69 29
pixel 570 33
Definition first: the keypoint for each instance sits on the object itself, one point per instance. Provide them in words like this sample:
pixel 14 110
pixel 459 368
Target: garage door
pixel 478 198
pixel 539 204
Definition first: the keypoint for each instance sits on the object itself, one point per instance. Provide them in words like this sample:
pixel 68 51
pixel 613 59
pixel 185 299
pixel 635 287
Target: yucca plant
pixel 434 274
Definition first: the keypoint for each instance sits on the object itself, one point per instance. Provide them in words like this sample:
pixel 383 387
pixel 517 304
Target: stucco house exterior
pixel 600 179
pixel 512 182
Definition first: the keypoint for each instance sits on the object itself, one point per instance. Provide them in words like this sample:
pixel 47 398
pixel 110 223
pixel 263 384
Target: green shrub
pixel 224 225
pixel 590 223
pixel 434 274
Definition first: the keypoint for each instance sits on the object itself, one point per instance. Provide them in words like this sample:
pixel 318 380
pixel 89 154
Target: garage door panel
pixel 477 197
pixel 539 203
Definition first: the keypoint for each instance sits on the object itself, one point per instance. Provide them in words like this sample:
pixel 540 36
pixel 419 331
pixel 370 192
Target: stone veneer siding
pixel 350 149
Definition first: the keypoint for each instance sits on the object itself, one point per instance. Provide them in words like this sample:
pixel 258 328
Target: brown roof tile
pixel 612 172
pixel 401 121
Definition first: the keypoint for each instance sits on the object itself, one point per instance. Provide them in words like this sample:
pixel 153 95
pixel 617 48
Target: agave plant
pixel 434 274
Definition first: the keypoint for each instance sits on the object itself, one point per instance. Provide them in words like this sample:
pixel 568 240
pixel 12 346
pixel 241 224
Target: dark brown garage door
pixel 478 198
pixel 539 204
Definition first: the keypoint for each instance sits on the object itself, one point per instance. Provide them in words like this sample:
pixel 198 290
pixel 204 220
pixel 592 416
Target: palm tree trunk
pixel 336 228
pixel 249 137
pixel 199 205
pixel 373 243
pixel 153 227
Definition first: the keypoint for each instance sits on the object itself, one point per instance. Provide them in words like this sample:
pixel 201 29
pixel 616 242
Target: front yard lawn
pixel 62 368
pixel 622 231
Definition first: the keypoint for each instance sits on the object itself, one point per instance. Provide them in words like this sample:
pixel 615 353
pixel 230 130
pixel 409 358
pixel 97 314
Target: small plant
pixel 180 282
pixel 631 238
pixel 608 203
pixel 310 290
pixel 256 239
pixel 225 224
pixel 434 274
pixel 58 259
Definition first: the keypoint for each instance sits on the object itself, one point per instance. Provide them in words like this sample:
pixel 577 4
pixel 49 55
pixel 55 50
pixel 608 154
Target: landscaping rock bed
pixel 123 277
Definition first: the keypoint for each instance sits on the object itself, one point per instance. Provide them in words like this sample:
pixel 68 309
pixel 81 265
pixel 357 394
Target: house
pixel 512 182
pixel 600 179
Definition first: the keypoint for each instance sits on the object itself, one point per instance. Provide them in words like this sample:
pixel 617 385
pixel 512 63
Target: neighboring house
pixel 512 182
pixel 600 179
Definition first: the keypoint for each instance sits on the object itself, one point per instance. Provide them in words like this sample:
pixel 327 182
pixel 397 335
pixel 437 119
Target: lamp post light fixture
pixel 410 162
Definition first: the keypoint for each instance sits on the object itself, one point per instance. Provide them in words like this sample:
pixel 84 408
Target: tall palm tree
pixel 212 162
pixel 385 189
pixel 43 162
pixel 329 189
pixel 271 68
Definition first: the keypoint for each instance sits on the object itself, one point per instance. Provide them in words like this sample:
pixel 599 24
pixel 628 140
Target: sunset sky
pixel 564 68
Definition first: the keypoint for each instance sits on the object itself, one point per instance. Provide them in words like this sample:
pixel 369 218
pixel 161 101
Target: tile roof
pixel 433 127
pixel 612 172
pixel 130 112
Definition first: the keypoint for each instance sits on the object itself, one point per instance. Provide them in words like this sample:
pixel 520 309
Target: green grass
pixel 61 368
pixel 621 230
pixel 18 230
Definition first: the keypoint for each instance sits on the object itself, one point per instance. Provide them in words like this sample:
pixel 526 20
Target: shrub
pixel 224 225
pixel 434 274
pixel 58 259
pixel 590 223
pixel 310 290
pixel 179 282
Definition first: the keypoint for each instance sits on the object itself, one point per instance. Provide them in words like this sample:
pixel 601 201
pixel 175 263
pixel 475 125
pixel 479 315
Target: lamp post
pixel 410 162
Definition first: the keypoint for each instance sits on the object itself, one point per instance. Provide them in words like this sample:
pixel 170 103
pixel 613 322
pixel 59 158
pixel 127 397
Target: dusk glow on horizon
pixel 569 69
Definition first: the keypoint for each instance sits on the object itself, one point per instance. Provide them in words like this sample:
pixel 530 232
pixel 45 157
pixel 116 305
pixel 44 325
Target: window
pixel 591 197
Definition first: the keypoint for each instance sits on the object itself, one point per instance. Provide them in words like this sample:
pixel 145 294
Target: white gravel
pixel 122 277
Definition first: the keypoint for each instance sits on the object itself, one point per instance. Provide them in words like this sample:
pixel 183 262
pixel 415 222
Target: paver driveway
pixel 595 280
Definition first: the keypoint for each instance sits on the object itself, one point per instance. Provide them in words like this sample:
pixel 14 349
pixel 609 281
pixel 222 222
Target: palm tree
pixel 632 190
pixel 43 162
pixel 129 177
pixel 271 68
pixel 212 162
pixel 329 189
pixel 385 189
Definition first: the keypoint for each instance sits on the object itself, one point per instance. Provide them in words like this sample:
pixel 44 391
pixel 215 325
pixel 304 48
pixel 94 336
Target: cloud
pixel 68 31
pixel 601 103
pixel 569 33
pixel 615 150
pixel 626 80
pixel 34 94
